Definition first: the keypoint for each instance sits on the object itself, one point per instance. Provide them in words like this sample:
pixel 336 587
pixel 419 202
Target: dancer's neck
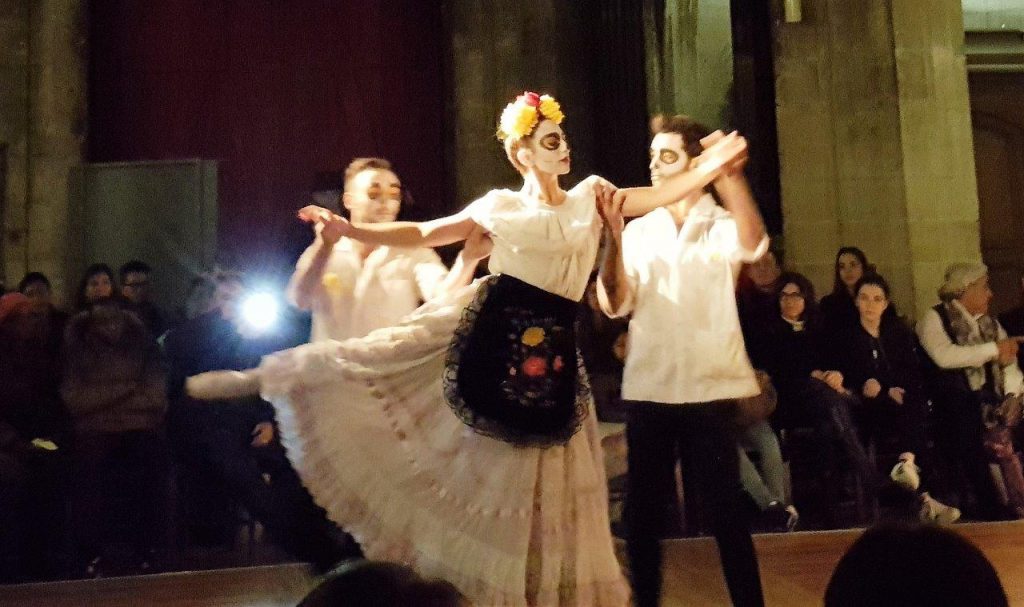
pixel 543 187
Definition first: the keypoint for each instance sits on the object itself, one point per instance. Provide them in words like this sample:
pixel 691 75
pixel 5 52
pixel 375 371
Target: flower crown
pixel 522 115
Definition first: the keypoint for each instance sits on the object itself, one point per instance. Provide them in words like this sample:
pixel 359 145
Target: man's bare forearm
pixel 612 284
pixel 739 201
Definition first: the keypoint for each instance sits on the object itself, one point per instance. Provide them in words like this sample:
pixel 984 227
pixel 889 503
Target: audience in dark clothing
pixel 228 453
pixel 838 311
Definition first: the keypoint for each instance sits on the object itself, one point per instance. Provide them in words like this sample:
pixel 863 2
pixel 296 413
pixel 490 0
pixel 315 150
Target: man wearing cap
pixel 976 364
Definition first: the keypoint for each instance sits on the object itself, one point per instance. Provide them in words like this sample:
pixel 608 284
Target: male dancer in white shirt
pixel 352 287
pixel 675 269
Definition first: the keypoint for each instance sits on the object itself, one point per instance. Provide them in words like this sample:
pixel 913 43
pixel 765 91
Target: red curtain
pixel 276 91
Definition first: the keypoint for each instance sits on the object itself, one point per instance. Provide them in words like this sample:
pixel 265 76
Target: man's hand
pixel 834 379
pixel 1007 350
pixel 477 246
pixel 262 434
pixel 609 207
pixel 896 394
pixel 329 225
pixel 725 154
pixel 871 388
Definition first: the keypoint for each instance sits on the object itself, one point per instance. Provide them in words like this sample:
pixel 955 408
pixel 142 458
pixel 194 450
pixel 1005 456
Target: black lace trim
pixel 503 370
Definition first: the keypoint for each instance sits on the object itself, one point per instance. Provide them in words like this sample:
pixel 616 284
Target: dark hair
pixel 33 277
pixel 875 279
pixel 838 288
pixel 806 288
pixel 902 565
pixel 689 129
pixel 358 583
pixel 93 270
pixel 359 165
pixel 134 265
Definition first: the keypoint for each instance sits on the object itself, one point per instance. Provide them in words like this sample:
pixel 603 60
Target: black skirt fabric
pixel 513 371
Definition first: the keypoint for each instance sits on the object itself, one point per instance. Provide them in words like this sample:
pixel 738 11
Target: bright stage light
pixel 260 311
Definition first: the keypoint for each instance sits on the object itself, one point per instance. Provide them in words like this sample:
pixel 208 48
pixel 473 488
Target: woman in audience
pixel 97 283
pixel 114 388
pixel 837 308
pixel 879 361
pixel 811 392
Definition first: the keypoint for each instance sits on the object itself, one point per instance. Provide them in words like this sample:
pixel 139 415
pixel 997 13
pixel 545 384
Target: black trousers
pixel 702 435
pixel 958 416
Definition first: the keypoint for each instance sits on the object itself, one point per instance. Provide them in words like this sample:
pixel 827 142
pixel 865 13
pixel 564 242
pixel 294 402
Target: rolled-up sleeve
pixel 944 352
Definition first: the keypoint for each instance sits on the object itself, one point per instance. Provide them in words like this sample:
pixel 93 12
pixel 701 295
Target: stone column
pixel 45 134
pixel 875 141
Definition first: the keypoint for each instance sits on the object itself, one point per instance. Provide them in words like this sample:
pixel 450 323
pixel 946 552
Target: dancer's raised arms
pixel 433 233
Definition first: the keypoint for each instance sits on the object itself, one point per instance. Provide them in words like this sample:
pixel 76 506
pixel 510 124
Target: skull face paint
pixel 667 156
pixel 550 149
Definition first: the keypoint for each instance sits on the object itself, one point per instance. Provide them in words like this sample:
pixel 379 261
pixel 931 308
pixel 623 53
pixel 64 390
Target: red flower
pixel 535 366
pixel 558 364
pixel 531 99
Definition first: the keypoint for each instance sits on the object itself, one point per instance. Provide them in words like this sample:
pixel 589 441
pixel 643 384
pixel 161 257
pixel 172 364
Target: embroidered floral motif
pixel 533 336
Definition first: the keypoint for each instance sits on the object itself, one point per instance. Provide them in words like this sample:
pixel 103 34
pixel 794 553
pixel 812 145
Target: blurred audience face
pixel 136 287
pixel 765 271
pixel 850 270
pixel 871 302
pixel 98 286
pixel 791 301
pixel 977 296
pixel 37 290
pixel 373 196
pixel 667 157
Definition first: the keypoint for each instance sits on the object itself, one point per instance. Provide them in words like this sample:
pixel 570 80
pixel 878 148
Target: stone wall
pixel 42 127
pixel 875 141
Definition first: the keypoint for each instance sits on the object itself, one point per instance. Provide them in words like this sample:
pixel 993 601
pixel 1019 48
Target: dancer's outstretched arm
pixel 721 154
pixel 433 233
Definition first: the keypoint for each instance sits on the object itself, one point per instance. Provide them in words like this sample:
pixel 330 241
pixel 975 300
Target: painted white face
pixel 373 196
pixel 549 149
pixel 667 156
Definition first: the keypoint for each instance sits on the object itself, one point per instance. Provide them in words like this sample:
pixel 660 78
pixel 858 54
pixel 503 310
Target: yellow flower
pixel 551 109
pixel 331 281
pixel 533 336
pixel 517 121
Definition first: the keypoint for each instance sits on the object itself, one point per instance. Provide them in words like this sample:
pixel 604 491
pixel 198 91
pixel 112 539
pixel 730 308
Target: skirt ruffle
pixel 367 428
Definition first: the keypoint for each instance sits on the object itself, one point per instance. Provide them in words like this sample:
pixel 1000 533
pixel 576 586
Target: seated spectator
pixel 811 392
pixel 914 566
pixel 838 311
pixel 36 286
pixel 33 443
pixel 136 290
pixel 879 362
pixel 975 365
pixel 765 482
pixel 1013 321
pixel 229 454
pixel 359 583
pixel 757 297
pixel 97 284
pixel 114 389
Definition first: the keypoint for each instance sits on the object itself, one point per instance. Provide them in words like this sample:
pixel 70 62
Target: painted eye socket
pixel 551 142
pixel 668 156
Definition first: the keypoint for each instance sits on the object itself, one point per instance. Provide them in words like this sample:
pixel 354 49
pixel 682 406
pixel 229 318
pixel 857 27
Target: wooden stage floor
pixel 795 569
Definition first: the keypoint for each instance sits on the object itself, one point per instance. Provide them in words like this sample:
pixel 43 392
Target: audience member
pixel 136 290
pixel 811 392
pixel 34 432
pixel 229 455
pixel 97 283
pixel 757 297
pixel 914 566
pixel 114 388
pixel 1013 321
pixel 838 311
pixel 359 583
pixel 975 365
pixel 879 361
pixel 36 286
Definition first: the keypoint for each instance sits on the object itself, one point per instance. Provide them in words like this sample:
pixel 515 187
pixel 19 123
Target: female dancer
pixel 463 442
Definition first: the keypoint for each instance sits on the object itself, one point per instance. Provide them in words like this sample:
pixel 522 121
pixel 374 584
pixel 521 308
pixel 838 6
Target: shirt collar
pixel 973 317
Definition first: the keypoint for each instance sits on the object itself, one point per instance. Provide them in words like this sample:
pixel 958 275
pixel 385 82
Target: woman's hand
pixel 871 388
pixel 262 434
pixel 329 225
pixel 834 379
pixel 478 245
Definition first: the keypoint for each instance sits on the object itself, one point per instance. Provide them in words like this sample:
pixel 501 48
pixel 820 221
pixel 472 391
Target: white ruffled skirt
pixel 367 428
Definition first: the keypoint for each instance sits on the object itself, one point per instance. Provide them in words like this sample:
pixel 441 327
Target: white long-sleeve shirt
pixel 950 355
